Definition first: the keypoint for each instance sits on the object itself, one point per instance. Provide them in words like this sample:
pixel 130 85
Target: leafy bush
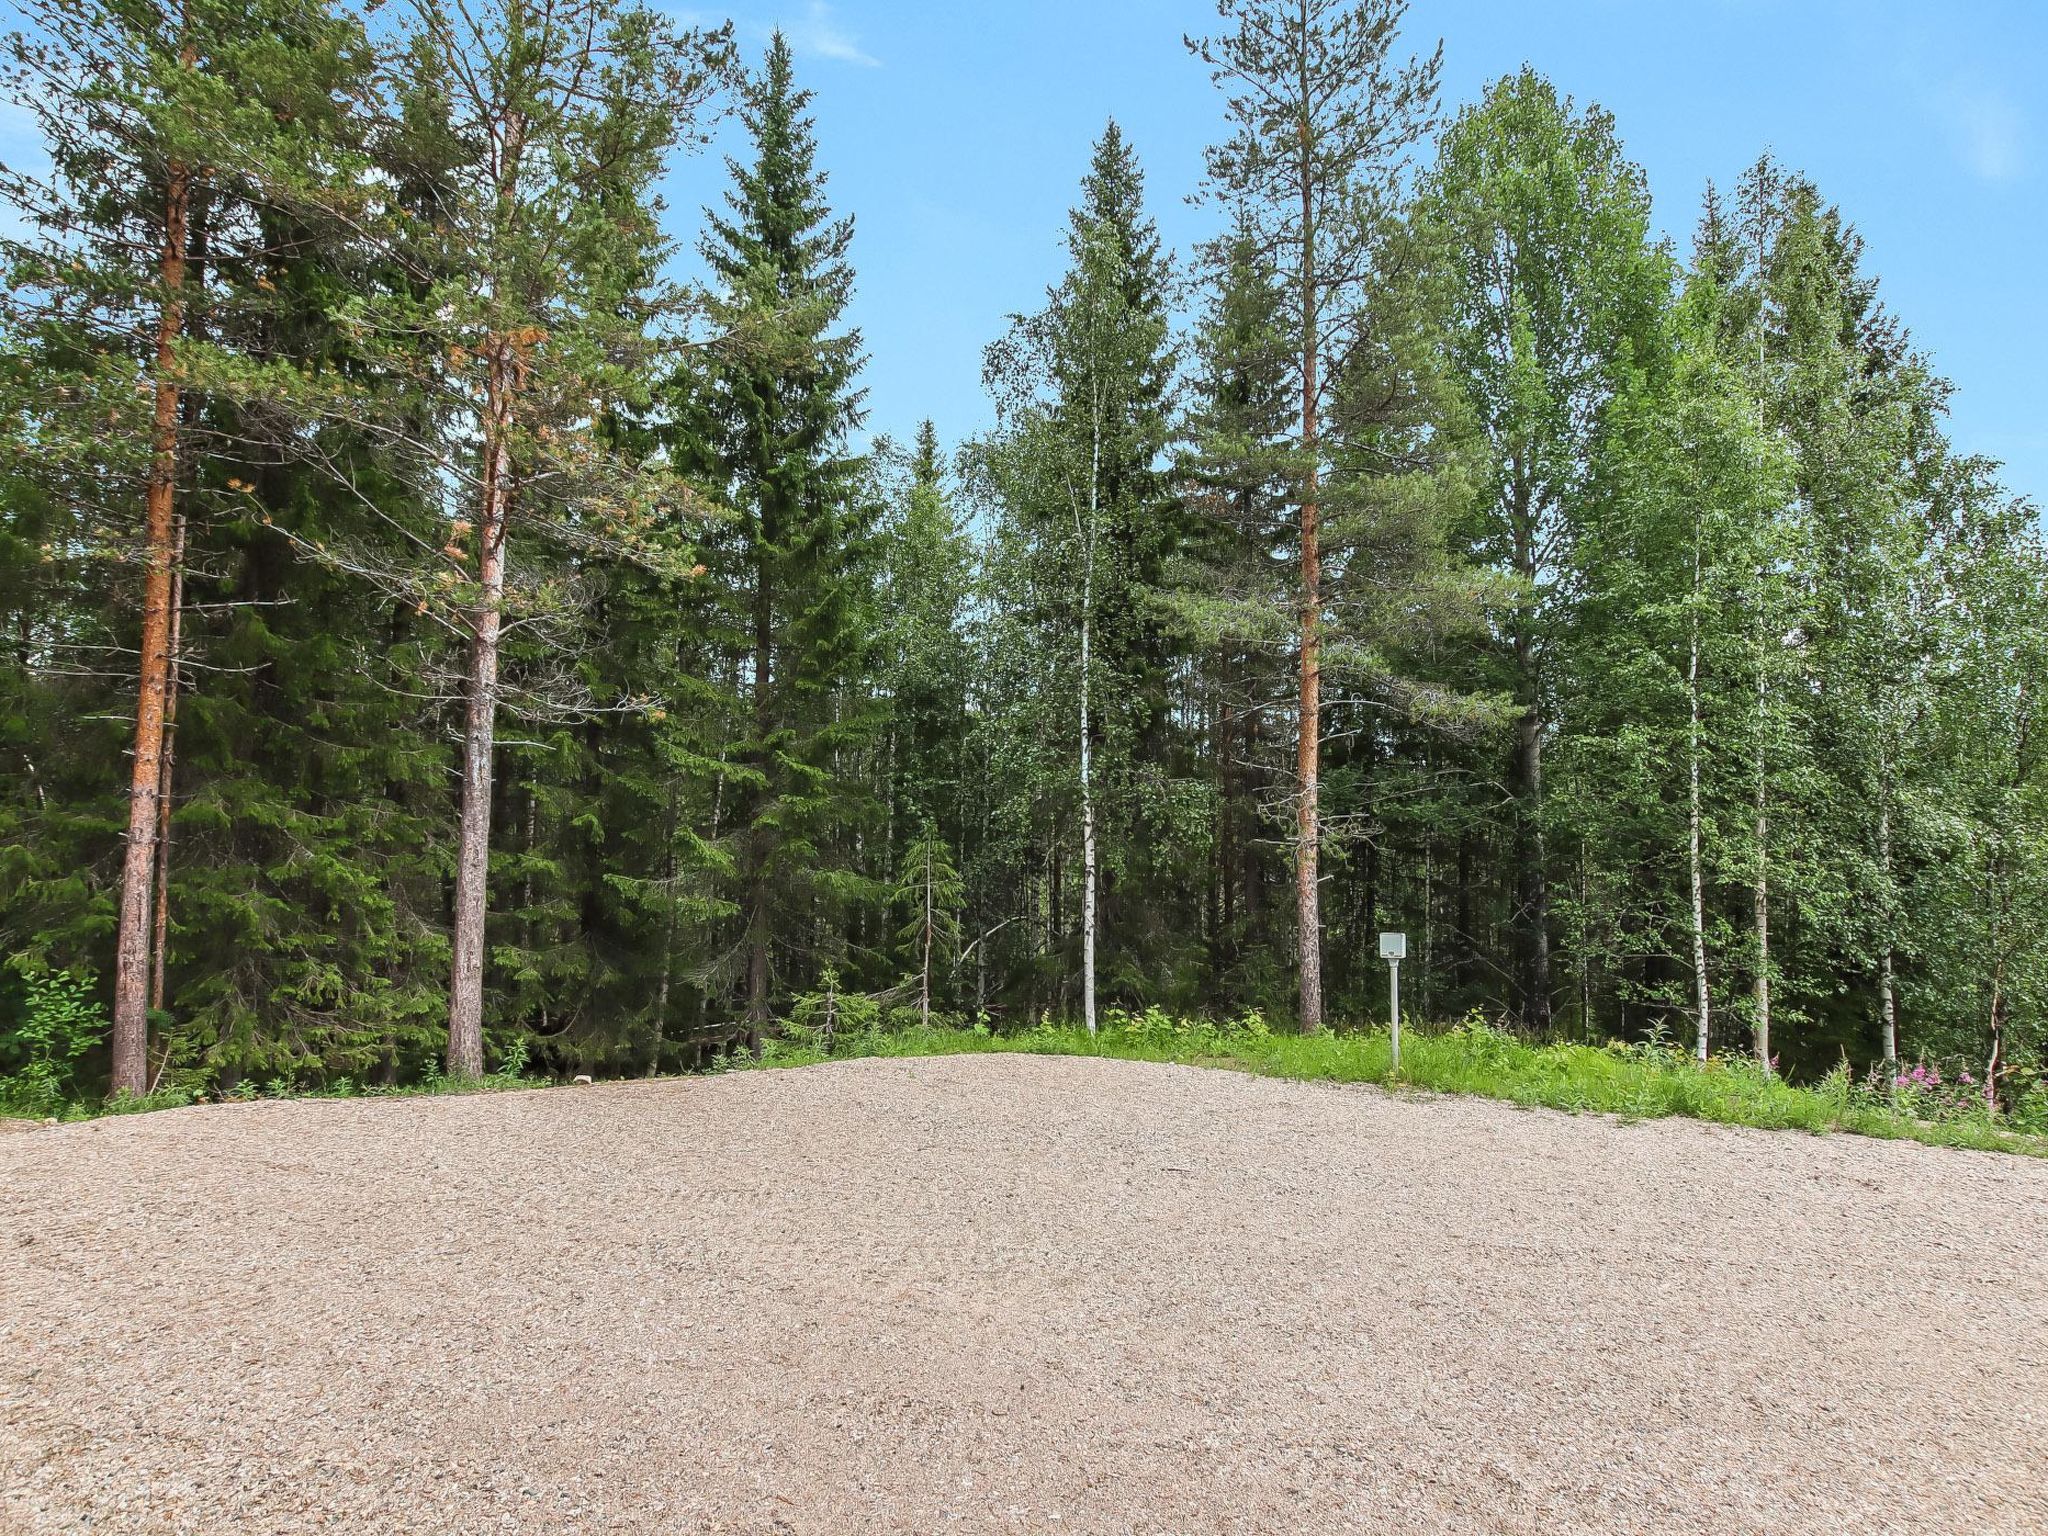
pixel 1155 1028
pixel 60 1022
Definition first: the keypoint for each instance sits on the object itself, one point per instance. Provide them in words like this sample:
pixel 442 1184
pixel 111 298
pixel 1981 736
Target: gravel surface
pixel 1008 1293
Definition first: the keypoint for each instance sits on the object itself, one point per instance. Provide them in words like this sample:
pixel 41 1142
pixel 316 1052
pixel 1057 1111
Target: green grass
pixel 1636 1083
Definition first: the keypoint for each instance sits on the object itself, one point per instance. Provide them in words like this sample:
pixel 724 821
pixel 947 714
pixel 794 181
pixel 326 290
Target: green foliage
pixel 57 1020
pixel 1632 1081
pixel 1679 673
pixel 1154 1027
pixel 763 421
pixel 831 1021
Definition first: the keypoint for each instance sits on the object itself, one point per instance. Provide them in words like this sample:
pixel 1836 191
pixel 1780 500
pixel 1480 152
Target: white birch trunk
pixel 1702 1002
pixel 1088 869
pixel 1762 892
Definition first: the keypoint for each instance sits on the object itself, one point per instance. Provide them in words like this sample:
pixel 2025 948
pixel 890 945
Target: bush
pixel 1155 1028
pixel 60 1022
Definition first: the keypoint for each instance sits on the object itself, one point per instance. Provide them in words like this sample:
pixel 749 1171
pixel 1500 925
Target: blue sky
pixel 956 132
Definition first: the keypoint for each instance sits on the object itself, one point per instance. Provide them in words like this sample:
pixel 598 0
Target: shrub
pixel 60 1022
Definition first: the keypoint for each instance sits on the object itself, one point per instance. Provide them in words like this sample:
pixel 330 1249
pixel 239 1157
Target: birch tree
pixel 1552 285
pixel 1078 391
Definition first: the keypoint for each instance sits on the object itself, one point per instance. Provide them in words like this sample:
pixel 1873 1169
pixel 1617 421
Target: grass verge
pixel 1635 1082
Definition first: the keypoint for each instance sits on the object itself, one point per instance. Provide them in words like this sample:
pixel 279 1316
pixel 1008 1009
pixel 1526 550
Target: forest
pixel 439 634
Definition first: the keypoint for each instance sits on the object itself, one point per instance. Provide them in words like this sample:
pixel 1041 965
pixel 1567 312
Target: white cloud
pixel 816 32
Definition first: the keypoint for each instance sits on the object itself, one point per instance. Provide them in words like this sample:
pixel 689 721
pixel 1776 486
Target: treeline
pixel 435 633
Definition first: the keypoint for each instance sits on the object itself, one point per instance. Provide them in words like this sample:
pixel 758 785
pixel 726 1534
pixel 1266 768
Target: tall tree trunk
pixel 1533 876
pixel 480 712
pixel 1088 865
pixel 1309 746
pixel 160 941
pixel 1887 985
pixel 132 943
pixel 1702 1004
pixel 480 718
pixel 1761 884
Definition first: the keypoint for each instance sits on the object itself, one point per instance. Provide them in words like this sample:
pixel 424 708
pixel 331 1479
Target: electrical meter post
pixel 1393 950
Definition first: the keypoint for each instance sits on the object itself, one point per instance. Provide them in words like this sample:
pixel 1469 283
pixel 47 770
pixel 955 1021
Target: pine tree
pixel 1322 124
pixel 171 133
pixel 524 154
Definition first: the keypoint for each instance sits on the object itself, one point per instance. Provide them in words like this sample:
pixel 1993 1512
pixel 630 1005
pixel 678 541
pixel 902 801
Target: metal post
pixel 1393 950
pixel 1394 970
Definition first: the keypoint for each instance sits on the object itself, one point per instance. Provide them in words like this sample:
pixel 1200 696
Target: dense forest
pixel 436 632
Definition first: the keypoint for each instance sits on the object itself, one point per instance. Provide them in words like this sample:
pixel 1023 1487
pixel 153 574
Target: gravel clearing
pixel 1010 1293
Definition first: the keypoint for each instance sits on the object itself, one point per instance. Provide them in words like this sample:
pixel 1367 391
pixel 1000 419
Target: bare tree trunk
pixel 1309 744
pixel 160 942
pixel 480 719
pixel 1762 884
pixel 130 1042
pixel 473 844
pixel 1702 1003
pixel 1887 987
pixel 1534 877
pixel 1088 868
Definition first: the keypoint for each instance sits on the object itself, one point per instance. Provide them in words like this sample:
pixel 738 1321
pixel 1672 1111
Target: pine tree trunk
pixel 161 938
pixel 132 944
pixel 473 840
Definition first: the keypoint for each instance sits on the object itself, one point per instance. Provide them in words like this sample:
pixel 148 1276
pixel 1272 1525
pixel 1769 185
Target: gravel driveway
pixel 1007 1293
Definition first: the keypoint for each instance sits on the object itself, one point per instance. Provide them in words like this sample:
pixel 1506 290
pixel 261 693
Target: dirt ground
pixel 1004 1294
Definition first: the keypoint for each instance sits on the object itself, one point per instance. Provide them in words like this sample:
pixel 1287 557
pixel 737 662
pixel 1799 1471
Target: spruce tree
pixel 926 580
pixel 765 420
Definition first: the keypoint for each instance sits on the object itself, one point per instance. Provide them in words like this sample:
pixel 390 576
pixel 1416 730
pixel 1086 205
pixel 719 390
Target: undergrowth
pixel 1637 1082
pixel 1634 1081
